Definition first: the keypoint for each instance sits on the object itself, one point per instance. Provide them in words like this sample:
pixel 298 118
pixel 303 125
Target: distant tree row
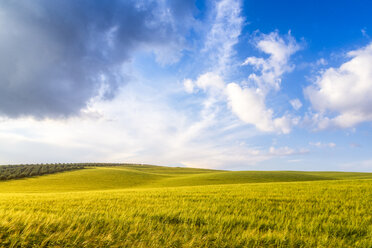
pixel 8 172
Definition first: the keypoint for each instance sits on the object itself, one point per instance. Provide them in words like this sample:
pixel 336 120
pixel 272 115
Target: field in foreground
pixel 147 206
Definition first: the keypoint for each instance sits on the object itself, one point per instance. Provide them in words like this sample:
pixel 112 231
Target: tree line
pixel 8 172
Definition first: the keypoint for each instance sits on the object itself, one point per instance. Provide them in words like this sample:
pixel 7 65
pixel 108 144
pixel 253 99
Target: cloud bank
pixel 57 55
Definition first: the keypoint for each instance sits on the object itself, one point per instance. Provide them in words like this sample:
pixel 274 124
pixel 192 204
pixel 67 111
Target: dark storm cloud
pixel 54 53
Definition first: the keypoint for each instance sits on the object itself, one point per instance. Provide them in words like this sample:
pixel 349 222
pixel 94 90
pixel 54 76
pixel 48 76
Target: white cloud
pixel 362 166
pixel 342 96
pixel 331 145
pixel 286 151
pixel 249 105
pixel 188 85
pixel 364 32
pixel 321 61
pixel 146 130
pixel 296 104
pixel 210 82
pixel 271 69
pixel 224 34
pixel 323 145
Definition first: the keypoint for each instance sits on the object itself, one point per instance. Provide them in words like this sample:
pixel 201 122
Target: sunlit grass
pixel 130 207
pixel 146 176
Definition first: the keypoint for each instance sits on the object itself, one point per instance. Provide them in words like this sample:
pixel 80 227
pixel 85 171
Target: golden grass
pixel 324 213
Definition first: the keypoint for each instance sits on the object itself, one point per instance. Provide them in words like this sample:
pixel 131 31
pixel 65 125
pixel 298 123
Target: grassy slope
pixel 141 210
pixel 298 214
pixel 146 176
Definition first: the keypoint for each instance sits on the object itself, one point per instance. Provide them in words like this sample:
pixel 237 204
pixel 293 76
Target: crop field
pixel 151 206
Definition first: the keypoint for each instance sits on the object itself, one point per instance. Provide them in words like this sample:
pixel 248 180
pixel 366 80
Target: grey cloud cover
pixel 53 53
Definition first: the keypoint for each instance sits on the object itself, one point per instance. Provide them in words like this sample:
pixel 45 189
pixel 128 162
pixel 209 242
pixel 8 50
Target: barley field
pixel 150 206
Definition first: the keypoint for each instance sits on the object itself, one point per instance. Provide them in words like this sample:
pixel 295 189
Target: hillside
pixel 156 206
pixel 148 176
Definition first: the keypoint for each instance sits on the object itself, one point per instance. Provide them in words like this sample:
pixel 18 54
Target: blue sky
pixel 240 85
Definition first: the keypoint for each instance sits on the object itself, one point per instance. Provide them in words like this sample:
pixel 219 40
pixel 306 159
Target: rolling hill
pixel 149 176
pixel 155 206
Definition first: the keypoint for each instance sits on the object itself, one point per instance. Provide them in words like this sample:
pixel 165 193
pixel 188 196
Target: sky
pixel 228 84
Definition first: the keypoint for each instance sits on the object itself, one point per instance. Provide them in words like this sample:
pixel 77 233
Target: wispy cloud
pixel 146 131
pixel 227 23
pixel 322 145
pixel 363 166
pixel 271 69
pixel 286 151
pixel 248 103
pixel 296 104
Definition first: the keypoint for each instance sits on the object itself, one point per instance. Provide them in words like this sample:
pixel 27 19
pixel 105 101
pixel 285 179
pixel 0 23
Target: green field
pixel 151 206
